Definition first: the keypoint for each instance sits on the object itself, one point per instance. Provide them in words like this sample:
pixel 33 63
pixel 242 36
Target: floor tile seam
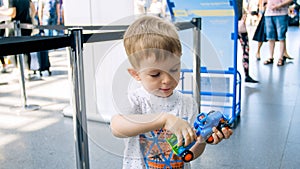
pixel 288 132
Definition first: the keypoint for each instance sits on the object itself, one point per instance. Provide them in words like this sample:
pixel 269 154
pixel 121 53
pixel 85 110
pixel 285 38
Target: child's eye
pixel 155 75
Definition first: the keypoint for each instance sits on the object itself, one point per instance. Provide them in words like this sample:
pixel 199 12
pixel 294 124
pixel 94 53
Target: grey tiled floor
pixel 267 136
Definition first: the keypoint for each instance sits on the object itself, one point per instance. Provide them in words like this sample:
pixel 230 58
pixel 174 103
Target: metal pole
pixel 24 105
pixel 6 34
pixel 196 60
pixel 17 30
pixel 79 106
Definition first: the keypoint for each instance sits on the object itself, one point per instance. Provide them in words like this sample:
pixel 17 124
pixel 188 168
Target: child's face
pixel 158 77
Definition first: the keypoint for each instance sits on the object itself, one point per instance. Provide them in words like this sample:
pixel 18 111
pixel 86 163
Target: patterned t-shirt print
pixel 157 152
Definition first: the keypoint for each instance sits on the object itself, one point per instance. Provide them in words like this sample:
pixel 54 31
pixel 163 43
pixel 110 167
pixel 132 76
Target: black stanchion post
pixel 196 59
pixel 79 106
pixel 24 105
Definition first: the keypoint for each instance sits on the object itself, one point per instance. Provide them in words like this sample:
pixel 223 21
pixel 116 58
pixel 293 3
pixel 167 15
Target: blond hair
pixel 151 36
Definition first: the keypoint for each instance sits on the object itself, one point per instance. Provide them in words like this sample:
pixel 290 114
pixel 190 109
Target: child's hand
pixel 181 128
pixel 219 135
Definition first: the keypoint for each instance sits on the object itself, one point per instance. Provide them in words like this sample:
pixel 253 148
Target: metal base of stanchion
pixel 34 78
pixel 3 83
pixel 30 107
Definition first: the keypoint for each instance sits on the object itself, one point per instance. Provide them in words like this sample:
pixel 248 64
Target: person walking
pixel 244 41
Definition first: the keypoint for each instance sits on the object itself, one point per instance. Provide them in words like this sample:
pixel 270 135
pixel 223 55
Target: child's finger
pixel 216 139
pixel 188 136
pixel 192 133
pixel 179 139
pixel 218 133
pixel 226 132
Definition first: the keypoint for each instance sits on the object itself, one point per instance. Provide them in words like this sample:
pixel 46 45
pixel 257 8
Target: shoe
pixel 257 57
pixel 269 61
pixel 3 70
pixel 281 61
pixel 250 80
pixel 288 57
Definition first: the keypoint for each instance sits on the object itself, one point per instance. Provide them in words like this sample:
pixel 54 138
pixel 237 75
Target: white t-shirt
pixel 153 145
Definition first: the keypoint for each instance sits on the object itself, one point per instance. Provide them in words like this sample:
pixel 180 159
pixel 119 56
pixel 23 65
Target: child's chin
pixel 165 94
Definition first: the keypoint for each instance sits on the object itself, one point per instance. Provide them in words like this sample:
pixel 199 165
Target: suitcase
pixel 40 62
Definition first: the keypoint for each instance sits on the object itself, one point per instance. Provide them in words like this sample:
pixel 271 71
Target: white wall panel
pixel 99 12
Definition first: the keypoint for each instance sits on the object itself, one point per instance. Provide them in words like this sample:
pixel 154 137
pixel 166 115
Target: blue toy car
pixel 203 125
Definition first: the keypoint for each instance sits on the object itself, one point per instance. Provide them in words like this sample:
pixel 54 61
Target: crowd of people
pixel 38 12
pixel 272 26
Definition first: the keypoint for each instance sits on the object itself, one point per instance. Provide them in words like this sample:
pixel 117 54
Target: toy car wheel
pixel 187 156
pixel 210 139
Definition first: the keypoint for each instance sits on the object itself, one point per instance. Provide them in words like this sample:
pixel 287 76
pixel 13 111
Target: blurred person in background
pixel 260 33
pixel 48 14
pixel 20 10
pixel 244 40
pixel 276 20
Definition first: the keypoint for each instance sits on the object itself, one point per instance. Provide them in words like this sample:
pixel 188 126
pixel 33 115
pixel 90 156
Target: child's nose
pixel 167 78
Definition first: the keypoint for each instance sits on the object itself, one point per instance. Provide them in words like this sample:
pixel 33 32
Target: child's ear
pixel 134 74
